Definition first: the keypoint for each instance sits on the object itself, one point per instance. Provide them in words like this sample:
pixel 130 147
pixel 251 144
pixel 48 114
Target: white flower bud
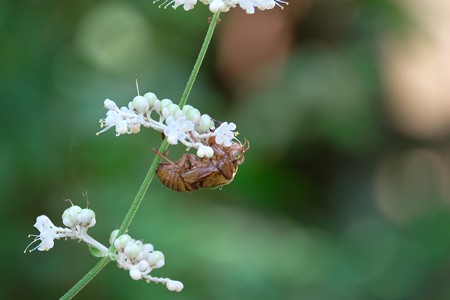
pixel 172 140
pixel 205 151
pixel 148 248
pixel 143 266
pixel 140 104
pixel 151 99
pixel 174 286
pixel 193 115
pixel 135 274
pixel 205 124
pixel 122 241
pixel 86 217
pixel 156 259
pixel 113 236
pixel 70 216
pixel 132 251
pixel 111 105
pixel 165 103
pixel 170 110
pixel 186 108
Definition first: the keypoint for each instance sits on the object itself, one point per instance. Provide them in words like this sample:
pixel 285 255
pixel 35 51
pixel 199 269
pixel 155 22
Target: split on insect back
pixel 218 154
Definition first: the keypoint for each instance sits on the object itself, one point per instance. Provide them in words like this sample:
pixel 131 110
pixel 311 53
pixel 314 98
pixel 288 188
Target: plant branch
pixel 151 172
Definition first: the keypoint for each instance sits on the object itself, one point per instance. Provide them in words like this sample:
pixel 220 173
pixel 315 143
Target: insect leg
pixel 165 158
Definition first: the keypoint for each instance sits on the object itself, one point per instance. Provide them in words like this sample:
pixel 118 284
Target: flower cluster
pixel 140 259
pixel 187 126
pixel 78 220
pixel 225 5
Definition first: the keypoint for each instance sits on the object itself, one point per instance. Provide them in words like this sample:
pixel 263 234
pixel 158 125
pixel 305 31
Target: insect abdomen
pixel 170 177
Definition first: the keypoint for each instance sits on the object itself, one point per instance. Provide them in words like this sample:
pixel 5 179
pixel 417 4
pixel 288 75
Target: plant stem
pixel 201 56
pixel 151 172
pixel 86 278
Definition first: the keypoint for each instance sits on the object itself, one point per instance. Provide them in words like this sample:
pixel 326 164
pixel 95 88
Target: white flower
pixel 225 5
pixel 177 129
pixel 140 259
pixel 248 6
pixel 125 119
pixel 224 134
pixel 47 234
pixel 174 286
pixel 187 126
pixel 78 222
pixel 205 151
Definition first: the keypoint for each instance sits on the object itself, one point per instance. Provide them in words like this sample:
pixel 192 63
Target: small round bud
pixel 193 115
pixel 151 99
pixel 132 250
pixel 122 241
pixel 113 236
pixel 165 103
pixel 174 286
pixel 135 128
pixel 86 217
pixel 135 274
pixel 186 108
pixel 148 248
pixel 172 140
pixel 205 124
pixel 140 104
pixel 156 259
pixel 111 105
pixel 70 216
pixel 143 266
pixel 170 110
pixel 205 151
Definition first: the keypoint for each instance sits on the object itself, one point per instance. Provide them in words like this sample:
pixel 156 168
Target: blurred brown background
pixel 345 190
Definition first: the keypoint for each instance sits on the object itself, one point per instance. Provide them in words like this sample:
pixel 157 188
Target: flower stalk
pixel 151 172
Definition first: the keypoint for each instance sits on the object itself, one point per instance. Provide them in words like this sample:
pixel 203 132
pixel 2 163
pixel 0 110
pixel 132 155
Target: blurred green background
pixel 339 198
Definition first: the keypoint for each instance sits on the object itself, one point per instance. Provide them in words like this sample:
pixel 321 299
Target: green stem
pixel 151 172
pixel 201 56
pixel 86 278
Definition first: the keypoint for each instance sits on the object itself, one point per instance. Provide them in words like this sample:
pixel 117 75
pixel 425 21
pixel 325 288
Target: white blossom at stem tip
pixel 47 234
pixel 77 221
pixel 225 5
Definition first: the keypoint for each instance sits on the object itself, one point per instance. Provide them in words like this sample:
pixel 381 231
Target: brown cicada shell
pixel 191 172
